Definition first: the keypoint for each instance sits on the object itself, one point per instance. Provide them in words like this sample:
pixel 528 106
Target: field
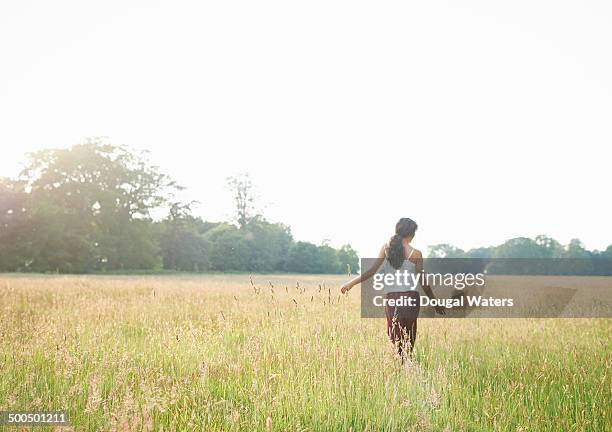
pixel 217 353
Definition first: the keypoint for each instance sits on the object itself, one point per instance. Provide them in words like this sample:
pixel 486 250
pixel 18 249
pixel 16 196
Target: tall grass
pixel 222 353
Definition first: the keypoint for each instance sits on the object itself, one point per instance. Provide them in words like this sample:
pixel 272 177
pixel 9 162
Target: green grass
pixel 141 353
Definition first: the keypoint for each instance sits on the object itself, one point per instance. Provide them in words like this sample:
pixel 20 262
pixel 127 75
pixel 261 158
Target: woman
pixel 396 255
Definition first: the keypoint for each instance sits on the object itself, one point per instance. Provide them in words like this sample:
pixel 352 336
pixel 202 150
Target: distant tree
pixel 483 252
pixel 550 248
pixel 519 255
pixel 445 250
pixel 98 178
pixel 520 247
pixel 348 259
pixel 327 261
pixel 133 245
pixel 575 249
pixel 268 245
pixel 258 247
pixel 303 258
pixel 182 244
pixel 242 189
pixel 60 239
pixel 14 227
pixel 577 259
pixel 89 207
pixel 602 261
pixel 229 249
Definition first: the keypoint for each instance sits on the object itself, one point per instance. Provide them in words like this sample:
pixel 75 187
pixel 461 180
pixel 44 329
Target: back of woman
pixel 399 256
pixel 401 284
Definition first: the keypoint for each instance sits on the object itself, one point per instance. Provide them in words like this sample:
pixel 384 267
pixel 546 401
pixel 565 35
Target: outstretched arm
pixel 365 275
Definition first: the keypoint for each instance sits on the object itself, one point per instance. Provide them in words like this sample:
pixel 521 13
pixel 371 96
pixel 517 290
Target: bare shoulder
pixel 415 254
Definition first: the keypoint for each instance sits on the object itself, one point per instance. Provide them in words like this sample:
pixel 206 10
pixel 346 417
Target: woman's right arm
pixel 366 275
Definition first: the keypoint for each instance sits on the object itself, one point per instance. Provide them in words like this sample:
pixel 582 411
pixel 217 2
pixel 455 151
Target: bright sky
pixel 480 120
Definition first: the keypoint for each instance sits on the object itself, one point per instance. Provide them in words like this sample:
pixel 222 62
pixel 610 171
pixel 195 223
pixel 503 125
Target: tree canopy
pixel 88 208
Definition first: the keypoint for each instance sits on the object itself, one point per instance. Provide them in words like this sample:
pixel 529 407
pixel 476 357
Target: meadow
pixel 285 352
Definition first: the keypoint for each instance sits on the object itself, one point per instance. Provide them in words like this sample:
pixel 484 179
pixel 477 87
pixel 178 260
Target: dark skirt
pixel 402 320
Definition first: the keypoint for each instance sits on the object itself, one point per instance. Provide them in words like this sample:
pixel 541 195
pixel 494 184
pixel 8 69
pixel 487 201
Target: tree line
pixel 88 208
pixel 540 256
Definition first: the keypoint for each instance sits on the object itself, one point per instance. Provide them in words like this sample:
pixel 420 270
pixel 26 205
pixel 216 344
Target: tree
pixel 89 207
pixel 480 253
pixel 229 250
pixel 302 258
pixel 445 250
pixel 520 247
pixel 242 188
pixel 98 178
pixel 268 245
pixel 327 260
pixel 182 246
pixel 348 259
pixel 550 247
pixel 577 259
pixel 13 225
pixel 602 261
pixel 306 257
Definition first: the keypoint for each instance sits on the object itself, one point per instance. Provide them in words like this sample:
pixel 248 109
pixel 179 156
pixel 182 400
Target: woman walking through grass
pixel 399 255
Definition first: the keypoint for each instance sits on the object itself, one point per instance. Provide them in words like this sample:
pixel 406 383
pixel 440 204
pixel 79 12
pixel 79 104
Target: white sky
pixel 480 120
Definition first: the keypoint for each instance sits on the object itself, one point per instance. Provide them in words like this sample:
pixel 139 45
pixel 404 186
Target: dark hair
pixel 405 227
